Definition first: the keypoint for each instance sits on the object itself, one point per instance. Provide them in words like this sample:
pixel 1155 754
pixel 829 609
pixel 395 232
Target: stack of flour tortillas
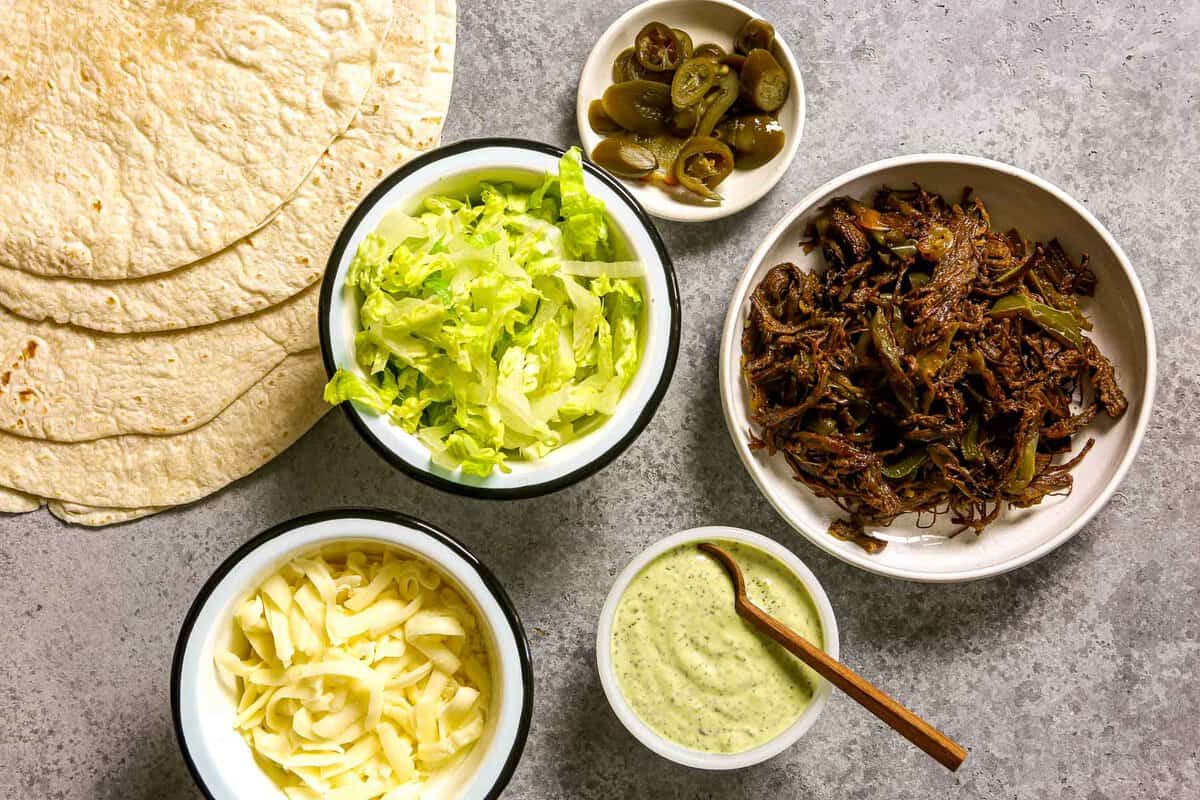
pixel 173 178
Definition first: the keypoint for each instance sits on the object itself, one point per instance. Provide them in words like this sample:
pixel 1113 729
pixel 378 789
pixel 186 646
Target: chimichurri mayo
pixel 696 672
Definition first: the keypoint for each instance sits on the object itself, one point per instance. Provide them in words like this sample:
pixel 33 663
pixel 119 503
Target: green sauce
pixel 697 673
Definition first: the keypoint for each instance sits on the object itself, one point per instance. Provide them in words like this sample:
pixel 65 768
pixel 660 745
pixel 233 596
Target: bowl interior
pixel 457 170
pixel 1040 212
pixel 676 752
pixel 207 703
pixel 705 21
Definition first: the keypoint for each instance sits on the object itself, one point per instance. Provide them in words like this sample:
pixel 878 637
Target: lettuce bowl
pixel 436 398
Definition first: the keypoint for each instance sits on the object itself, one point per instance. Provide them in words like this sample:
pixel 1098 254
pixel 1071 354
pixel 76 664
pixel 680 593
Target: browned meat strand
pixel 932 367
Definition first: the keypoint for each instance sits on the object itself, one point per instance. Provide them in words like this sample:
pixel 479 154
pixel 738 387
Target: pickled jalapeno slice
pixel 710 50
pixel 764 83
pixel 657 48
pixel 685 42
pixel 599 120
pixel 702 164
pixel 624 158
pixel 639 106
pixel 627 68
pixel 755 139
pixel 683 121
pixel 755 34
pixel 719 100
pixel 692 81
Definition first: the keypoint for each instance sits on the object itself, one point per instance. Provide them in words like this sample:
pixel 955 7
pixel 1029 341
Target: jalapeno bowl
pixel 916 549
pixel 716 21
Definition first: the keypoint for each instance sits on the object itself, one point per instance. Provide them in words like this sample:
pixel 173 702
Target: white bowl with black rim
pixel 203 706
pixel 457 168
pixel 1123 331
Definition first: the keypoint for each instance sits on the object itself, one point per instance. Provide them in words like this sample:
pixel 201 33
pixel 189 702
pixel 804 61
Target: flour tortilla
pixel 67 384
pixel 14 502
pixel 90 517
pixel 138 471
pixel 401 115
pixel 63 467
pixel 71 385
pixel 139 136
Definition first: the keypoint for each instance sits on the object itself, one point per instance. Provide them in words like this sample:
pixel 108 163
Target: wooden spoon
pixel 946 751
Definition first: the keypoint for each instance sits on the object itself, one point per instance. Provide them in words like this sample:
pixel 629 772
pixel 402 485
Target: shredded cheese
pixel 359 674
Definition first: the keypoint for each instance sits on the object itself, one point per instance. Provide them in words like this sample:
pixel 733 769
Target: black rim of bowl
pixel 349 514
pixel 536 489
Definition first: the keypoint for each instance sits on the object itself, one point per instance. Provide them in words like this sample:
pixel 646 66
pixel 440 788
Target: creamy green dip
pixel 696 672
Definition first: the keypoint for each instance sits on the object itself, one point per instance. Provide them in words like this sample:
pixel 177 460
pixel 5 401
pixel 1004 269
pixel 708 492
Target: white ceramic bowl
pixel 705 21
pixel 671 750
pixel 203 706
pixel 457 168
pixel 1040 211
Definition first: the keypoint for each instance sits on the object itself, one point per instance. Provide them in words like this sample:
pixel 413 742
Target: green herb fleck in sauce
pixel 696 672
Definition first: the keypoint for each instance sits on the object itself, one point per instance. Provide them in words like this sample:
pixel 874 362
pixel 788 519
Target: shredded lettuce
pixel 495 327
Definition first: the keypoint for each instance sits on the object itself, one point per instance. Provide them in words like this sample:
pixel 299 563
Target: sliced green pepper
pixel 1059 300
pixel 936 242
pixel 889 354
pixel 930 361
pixel 1026 464
pixel 900 331
pixel 867 218
pixel 861 344
pixel 971 450
pixel 1061 324
pixel 905 466
pixel 840 382
pixel 860 412
pixel 823 425
pixel 1012 273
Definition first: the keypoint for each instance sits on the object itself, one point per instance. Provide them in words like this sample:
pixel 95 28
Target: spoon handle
pixel 946 751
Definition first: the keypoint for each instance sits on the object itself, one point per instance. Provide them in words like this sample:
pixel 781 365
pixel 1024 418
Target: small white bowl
pixel 677 752
pixel 455 169
pixel 705 21
pixel 203 706
pixel 1039 211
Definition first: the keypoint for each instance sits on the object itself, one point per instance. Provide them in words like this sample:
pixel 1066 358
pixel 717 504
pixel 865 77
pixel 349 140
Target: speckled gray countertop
pixel 1074 677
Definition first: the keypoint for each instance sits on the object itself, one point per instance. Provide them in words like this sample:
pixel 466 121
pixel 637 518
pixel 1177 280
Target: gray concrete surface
pixel 1071 678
